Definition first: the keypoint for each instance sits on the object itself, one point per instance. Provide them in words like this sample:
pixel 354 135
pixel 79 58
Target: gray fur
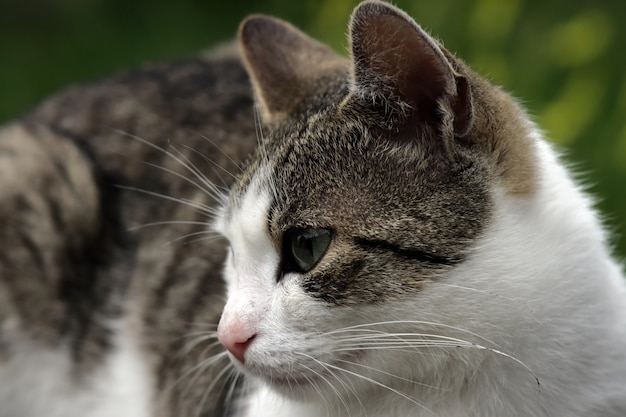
pixel 74 261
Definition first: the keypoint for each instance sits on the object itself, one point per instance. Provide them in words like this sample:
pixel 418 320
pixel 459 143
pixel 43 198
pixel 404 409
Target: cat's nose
pixel 238 349
pixel 236 340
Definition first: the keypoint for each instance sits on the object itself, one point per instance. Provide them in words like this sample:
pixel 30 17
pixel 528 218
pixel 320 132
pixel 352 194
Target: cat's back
pixel 103 188
pixel 203 99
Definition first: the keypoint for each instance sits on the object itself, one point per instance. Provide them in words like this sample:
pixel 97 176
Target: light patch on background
pixel 329 23
pixel 493 19
pixel 493 66
pixel 574 109
pixel 580 40
pixel 490 24
pixel 432 14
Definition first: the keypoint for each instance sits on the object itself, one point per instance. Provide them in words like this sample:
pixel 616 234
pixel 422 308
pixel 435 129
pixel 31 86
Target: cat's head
pixel 372 188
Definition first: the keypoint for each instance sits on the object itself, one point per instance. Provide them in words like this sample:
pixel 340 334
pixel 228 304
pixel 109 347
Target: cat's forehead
pixel 305 165
pixel 335 170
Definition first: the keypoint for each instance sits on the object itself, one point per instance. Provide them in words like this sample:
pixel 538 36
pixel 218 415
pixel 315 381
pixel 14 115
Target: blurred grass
pixel 564 59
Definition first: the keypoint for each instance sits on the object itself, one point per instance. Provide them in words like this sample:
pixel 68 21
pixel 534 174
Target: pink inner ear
pixel 403 56
pixel 393 52
pixel 398 65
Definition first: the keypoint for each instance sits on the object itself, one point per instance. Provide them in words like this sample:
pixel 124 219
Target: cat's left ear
pixel 284 64
pixel 403 72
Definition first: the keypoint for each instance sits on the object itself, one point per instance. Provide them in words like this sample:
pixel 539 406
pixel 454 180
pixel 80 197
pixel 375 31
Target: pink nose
pixel 235 341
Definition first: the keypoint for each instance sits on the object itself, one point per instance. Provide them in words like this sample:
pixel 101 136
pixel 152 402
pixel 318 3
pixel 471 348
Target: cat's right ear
pixel 284 64
pixel 404 73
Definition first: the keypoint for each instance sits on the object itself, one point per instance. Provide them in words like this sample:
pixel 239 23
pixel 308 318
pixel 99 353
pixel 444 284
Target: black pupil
pixel 305 248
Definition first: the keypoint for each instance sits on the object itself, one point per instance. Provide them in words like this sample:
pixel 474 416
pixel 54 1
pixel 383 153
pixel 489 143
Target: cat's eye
pixel 303 248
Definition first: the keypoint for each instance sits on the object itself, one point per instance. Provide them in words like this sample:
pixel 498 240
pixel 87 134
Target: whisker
pixel 395 337
pixel 401 344
pixel 202 366
pixel 235 376
pixel 373 381
pixel 210 161
pixel 514 359
pixel 371 368
pixel 208 238
pixel 248 386
pixel 199 369
pixel 211 386
pixel 197 172
pixel 212 142
pixel 202 232
pixel 398 342
pixel 188 347
pixel 210 189
pixel 212 332
pixel 185 164
pixel 424 350
pixel 210 211
pixel 411 322
pixel 330 384
pixel 168 222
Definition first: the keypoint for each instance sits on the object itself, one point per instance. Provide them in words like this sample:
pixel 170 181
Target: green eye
pixel 303 248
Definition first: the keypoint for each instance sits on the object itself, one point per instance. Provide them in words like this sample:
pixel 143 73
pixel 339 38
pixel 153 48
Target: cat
pixel 395 238
pixel 405 243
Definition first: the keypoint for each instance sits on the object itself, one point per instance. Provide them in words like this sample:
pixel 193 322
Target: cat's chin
pixel 304 387
pixel 294 386
pixel 300 387
pixel 309 381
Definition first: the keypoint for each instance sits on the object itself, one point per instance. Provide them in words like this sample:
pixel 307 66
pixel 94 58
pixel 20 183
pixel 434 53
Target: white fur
pixel 38 381
pixel 539 311
pixel 251 265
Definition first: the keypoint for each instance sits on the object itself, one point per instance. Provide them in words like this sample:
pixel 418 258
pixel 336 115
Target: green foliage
pixel 564 58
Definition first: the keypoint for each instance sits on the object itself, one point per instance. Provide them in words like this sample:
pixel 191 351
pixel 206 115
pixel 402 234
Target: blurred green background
pixel 565 59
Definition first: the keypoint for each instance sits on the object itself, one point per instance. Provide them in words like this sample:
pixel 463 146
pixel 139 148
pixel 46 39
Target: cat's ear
pixel 400 69
pixel 283 63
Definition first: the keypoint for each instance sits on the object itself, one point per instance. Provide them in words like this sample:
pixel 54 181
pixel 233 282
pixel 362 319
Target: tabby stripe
pixel 414 254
